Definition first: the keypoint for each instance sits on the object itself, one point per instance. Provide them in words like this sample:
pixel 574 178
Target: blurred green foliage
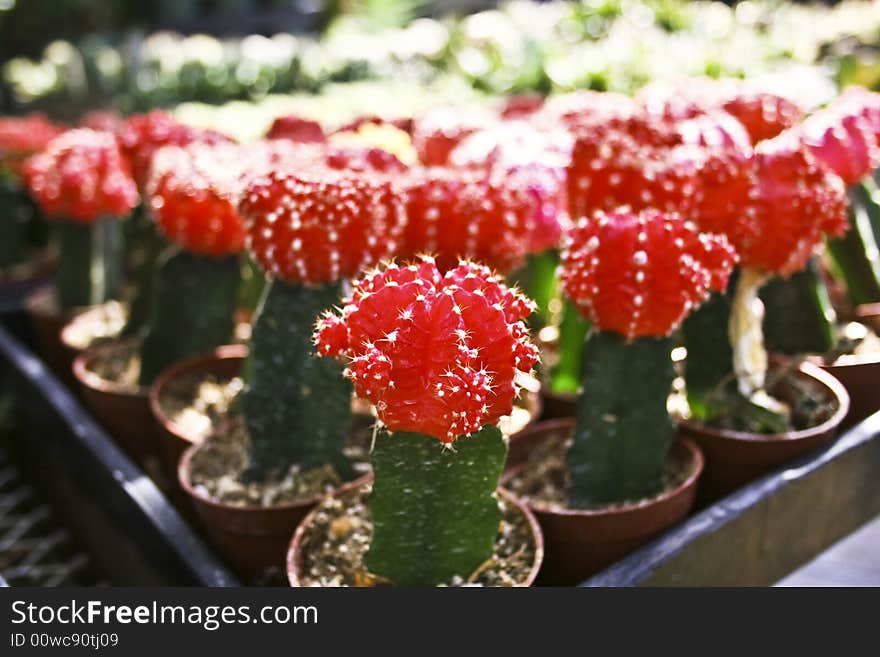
pixel 521 46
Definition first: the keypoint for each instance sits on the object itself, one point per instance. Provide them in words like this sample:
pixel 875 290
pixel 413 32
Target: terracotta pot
pixel 251 538
pixel 734 458
pixel 869 314
pixel 860 375
pixel 125 414
pixel 92 326
pixel 295 553
pixel 224 362
pixel 581 542
pixel 557 406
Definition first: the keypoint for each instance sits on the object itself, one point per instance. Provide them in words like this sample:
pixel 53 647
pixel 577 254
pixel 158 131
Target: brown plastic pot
pixel 125 414
pixel 581 542
pixel 224 362
pixel 295 549
pixel 556 406
pixel 734 458
pixel 47 322
pixel 860 375
pixel 252 538
pixel 869 314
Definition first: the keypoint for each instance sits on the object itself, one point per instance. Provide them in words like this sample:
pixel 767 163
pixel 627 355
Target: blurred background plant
pixel 65 56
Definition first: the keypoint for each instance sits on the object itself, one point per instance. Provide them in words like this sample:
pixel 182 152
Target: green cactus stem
pixel 145 261
pixel 90 262
pixel 713 394
pixel 297 406
pixel 193 312
pixel 434 512
pixel 623 431
pixel 565 377
pixel 540 283
pixel 14 223
pixel 709 356
pixel 798 317
pixel 856 255
pixel 253 282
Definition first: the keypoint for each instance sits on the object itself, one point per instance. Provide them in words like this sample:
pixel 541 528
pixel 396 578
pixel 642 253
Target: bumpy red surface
pixel 436 354
pixel 775 206
pixel 81 175
pixel 844 136
pixel 473 214
pixel 762 113
pixel 22 137
pixel 319 226
pixel 194 192
pixel 143 134
pixel 536 160
pixel 639 165
pixel 640 274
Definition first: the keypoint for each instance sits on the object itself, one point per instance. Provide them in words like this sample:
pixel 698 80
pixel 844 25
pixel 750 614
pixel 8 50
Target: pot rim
pixel 223 352
pixel 693 452
pixel 868 310
pixel 64 335
pixel 184 470
pixel 294 548
pixel 807 369
pixel 93 381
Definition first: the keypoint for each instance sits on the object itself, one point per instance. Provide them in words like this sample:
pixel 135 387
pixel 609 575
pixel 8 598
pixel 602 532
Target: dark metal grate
pixel 35 550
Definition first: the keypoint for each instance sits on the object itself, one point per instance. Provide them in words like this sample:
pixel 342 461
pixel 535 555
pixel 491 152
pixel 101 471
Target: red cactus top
pixel 143 134
pixel 579 107
pixel 775 206
pixel 21 137
pixel 81 175
pixel 536 160
pixel 436 354
pixel 457 213
pixel 441 129
pixel 640 273
pixel 321 225
pixel 845 135
pixel 102 120
pixel 762 113
pixel 297 129
pixel 194 191
pixel 637 162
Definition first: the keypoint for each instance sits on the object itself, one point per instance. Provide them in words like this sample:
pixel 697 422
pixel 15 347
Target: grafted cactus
pixel 762 113
pixel 464 213
pixel 437 355
pixel 845 136
pixel 636 276
pixel 308 231
pixel 19 139
pixel 82 180
pixel 775 206
pixel 140 136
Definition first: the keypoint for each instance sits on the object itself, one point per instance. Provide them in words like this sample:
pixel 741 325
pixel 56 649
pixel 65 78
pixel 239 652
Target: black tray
pixel 770 527
pixel 117 513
